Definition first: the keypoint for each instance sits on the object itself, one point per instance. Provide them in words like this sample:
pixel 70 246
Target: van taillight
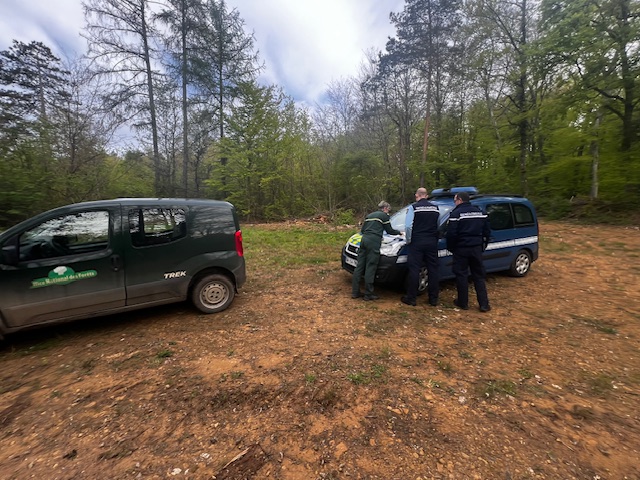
pixel 239 249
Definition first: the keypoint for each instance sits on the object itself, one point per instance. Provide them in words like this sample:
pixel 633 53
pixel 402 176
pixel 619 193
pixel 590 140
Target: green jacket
pixel 376 223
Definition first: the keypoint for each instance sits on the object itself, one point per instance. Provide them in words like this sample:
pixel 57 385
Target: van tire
pixel 213 293
pixel 521 264
pixel 423 281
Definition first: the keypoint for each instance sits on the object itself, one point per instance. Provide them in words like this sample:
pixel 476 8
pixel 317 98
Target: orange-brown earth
pixel 298 381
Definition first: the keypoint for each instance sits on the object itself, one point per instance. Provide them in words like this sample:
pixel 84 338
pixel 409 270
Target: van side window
pixel 524 216
pixel 155 226
pixel 82 232
pixel 500 216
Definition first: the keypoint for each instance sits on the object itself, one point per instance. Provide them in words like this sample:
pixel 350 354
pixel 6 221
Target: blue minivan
pixel 513 245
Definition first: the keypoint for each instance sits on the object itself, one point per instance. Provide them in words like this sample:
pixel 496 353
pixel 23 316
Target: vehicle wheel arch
pixel 212 271
pixel 221 275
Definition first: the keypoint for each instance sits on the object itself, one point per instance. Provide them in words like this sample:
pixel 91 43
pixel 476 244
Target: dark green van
pixel 105 257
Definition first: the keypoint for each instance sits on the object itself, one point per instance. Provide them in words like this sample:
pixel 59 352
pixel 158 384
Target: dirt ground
pixel 298 381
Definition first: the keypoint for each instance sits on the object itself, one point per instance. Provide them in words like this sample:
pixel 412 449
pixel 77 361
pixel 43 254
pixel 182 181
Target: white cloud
pixel 305 44
pixel 57 24
pixel 308 43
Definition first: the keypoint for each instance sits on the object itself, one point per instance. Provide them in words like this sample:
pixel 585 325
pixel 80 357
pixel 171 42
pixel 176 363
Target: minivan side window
pixel 82 232
pixel 499 216
pixel 523 214
pixel 155 226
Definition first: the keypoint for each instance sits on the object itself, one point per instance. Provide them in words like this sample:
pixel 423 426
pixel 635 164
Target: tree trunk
pixel 152 103
pixel 595 157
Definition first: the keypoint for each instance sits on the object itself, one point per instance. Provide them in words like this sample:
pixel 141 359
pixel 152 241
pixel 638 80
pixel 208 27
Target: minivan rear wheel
pixel 521 264
pixel 213 293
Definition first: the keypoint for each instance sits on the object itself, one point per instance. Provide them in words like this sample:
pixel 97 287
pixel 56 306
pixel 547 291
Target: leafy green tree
pixel 33 90
pixel 425 33
pixel 32 82
pixel 264 175
pixel 593 46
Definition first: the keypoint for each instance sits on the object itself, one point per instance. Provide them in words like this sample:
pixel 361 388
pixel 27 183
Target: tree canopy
pixel 531 97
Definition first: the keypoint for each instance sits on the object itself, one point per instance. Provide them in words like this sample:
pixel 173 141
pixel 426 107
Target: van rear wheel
pixel 213 293
pixel 521 264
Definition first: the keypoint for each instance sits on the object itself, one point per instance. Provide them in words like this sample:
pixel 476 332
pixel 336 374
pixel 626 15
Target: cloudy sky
pixel 305 44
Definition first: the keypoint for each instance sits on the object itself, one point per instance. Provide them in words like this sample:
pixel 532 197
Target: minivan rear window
pixel 524 215
pixel 155 226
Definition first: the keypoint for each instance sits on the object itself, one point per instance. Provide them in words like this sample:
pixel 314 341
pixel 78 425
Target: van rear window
pixel 523 214
pixel 156 226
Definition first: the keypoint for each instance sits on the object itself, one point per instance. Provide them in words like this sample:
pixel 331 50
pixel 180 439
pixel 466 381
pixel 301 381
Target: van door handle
pixel 116 264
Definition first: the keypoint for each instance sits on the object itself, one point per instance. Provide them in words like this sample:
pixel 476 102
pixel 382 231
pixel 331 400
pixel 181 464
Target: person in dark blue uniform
pixel 369 253
pixel 422 238
pixel 467 237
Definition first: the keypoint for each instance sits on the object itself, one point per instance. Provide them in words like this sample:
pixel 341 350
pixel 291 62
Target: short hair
pixel 464 196
pixel 382 205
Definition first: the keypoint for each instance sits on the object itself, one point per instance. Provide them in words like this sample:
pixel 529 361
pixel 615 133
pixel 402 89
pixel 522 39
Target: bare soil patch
pixel 298 381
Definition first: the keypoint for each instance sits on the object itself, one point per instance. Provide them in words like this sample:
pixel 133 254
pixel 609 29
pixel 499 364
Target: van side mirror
pixel 9 255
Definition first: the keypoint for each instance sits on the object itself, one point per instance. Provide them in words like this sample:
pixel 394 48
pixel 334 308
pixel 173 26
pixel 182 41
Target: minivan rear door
pixel 65 265
pixel 513 227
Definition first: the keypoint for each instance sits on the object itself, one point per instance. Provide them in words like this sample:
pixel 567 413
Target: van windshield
pixel 398 218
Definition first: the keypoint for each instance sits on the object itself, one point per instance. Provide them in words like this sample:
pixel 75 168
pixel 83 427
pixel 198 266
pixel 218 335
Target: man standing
pixel 467 236
pixel 369 253
pixel 422 238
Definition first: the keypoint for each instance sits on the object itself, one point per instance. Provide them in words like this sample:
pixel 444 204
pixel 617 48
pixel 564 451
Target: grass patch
pixel 266 246
pixel 376 373
pixel 525 374
pixel 380 326
pixel 385 353
pixel 602 327
pixel 494 388
pixel 554 245
pixel 444 366
pixel 39 347
pixel 600 384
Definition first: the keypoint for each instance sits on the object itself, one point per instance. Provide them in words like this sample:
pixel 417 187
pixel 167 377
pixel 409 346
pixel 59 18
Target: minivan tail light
pixel 239 249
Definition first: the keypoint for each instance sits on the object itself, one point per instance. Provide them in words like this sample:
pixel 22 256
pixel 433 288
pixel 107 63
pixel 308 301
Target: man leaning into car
pixel 369 253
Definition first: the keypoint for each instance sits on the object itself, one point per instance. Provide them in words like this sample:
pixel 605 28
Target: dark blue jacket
pixel 468 227
pixel 422 222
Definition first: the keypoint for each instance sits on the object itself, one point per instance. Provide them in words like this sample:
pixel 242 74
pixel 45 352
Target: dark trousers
pixel 470 259
pixel 368 257
pixel 423 254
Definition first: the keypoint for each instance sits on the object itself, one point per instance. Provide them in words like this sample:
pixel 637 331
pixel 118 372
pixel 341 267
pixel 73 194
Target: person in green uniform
pixel 369 253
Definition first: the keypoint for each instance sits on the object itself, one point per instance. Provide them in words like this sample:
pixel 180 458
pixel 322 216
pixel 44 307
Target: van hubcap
pixel 214 294
pixel 522 264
